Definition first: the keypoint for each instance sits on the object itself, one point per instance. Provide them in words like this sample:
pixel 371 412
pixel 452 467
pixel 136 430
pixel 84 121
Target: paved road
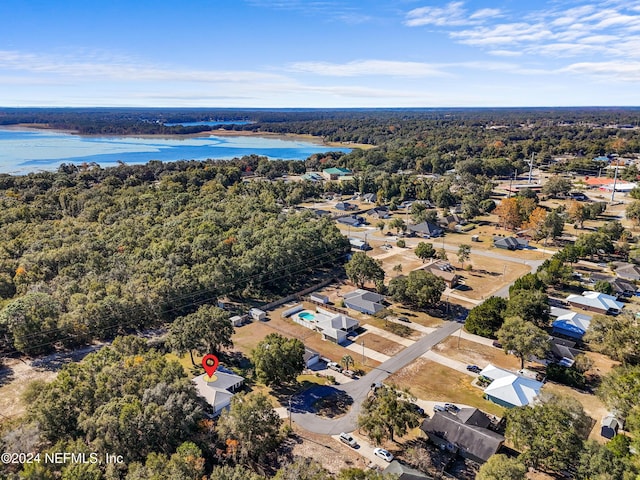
pixel 359 389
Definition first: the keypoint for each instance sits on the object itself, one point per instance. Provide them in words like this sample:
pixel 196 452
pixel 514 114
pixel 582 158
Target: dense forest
pixel 93 253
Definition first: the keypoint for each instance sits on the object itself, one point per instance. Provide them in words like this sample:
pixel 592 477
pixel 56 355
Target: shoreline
pixel 209 133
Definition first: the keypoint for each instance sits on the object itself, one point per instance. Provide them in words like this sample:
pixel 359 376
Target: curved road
pixel 303 414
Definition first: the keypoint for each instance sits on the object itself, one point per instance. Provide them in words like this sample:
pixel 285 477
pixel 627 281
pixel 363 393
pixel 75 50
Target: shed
pixel 258 314
pixel 311 357
pixel 609 426
pixel 239 320
pixel 319 298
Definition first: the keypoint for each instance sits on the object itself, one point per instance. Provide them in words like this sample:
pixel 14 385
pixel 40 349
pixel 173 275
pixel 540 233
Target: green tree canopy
pixel 616 336
pixel 420 288
pixel 501 467
pixel 530 305
pixel 424 250
pixel 550 433
pixel 487 318
pixel 250 429
pixel 278 360
pixel 362 268
pixel 386 414
pixel 207 330
pixel 523 339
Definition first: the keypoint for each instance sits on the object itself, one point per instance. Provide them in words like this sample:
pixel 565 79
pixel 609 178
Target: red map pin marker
pixel 210 364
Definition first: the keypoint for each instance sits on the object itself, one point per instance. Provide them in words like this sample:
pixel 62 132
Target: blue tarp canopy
pixel 567 328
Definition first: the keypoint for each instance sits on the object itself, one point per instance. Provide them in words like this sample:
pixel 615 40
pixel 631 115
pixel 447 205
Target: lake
pixel 25 151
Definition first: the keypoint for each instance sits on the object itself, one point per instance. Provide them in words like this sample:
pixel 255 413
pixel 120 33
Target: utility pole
pixel 363 357
pixel 515 175
pixel 531 166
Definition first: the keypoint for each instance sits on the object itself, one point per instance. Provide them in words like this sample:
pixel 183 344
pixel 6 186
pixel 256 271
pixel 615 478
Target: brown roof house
pixel 445 271
pixel 465 433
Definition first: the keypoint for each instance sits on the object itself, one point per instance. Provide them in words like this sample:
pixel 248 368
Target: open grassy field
pixel 380 344
pixel 430 381
pixel 476 353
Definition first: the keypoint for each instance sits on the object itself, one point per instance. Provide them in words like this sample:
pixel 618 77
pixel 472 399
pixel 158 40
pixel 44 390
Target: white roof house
pixel 596 302
pixel 509 389
pixel 333 326
pixel 218 393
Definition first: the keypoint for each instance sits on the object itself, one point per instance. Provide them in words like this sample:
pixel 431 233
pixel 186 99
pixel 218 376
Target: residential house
pixel 346 206
pixel 219 390
pixel 628 271
pixel 379 212
pixel 563 351
pixel 425 230
pixel 621 286
pixel 509 389
pixel 351 220
pixel 336 173
pixel 400 471
pixel 453 219
pixel 465 433
pixel 596 302
pixel 364 301
pixel 334 327
pixel 510 243
pixel 443 270
pixel 572 324
pixel 369 198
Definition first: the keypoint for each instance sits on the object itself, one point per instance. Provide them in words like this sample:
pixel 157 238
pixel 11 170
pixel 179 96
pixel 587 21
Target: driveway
pixel 302 411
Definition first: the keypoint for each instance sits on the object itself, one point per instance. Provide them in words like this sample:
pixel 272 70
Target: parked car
pixel 497 344
pixel 350 374
pixel 383 454
pixel 474 368
pixel 348 439
pixel 451 408
pixel 334 366
pixel 439 408
pixel 417 408
pixel 404 319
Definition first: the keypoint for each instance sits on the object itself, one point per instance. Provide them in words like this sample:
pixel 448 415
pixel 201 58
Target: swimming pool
pixel 307 316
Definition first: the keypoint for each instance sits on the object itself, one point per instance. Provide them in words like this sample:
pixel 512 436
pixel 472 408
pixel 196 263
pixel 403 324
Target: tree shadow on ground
pixel 6 375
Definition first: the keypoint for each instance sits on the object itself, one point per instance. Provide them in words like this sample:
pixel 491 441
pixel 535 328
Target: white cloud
pixel 452 14
pixel 119 69
pixel 367 68
pixel 590 29
pixel 622 71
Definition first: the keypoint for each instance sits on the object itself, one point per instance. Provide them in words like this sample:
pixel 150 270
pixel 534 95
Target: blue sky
pixel 331 53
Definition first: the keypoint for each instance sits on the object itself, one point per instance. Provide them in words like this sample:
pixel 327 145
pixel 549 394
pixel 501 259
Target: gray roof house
pixel 379 212
pixel 628 271
pixel 345 206
pixel 404 472
pixel 465 433
pixel 425 229
pixel 622 287
pixel 364 301
pixel 510 243
pixel 369 197
pixel 352 220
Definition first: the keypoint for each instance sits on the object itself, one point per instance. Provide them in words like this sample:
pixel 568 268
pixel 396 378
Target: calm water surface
pixel 24 151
